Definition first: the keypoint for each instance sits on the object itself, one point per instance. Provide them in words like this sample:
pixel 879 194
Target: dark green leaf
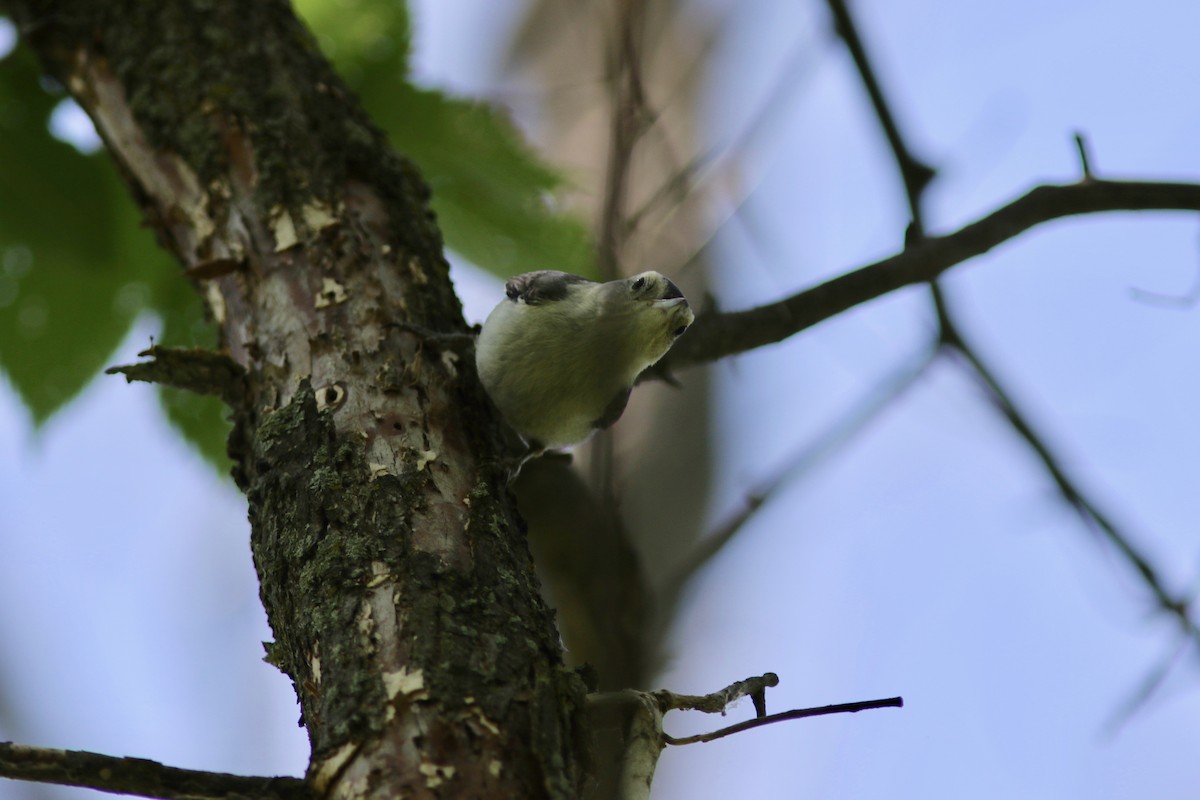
pixel 490 189
pixel 73 265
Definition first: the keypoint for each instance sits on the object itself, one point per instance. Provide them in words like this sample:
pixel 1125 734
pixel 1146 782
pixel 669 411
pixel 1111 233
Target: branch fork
pixel 645 737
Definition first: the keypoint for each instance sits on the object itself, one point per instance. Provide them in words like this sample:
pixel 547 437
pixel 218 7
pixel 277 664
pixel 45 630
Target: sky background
pixel 929 557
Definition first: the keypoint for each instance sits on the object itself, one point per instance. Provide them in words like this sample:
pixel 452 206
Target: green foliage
pixel 361 37
pixel 76 267
pixel 490 190
pixel 70 283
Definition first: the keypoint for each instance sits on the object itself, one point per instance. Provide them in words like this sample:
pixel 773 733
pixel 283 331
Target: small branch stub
pixel 194 369
pixel 1085 161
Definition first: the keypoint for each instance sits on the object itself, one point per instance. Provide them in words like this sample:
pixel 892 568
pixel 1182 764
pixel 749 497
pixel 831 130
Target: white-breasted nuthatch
pixel 560 355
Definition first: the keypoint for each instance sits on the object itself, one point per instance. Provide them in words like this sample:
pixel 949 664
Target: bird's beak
pixel 671 302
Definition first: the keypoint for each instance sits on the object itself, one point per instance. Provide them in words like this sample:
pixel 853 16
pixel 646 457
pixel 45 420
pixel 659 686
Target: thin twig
pixel 832 438
pixel 629 119
pixel 706 167
pixel 1184 301
pixel 678 184
pixel 139 776
pixel 1085 161
pixel 915 173
pixel 1147 687
pixel 1087 509
pixel 798 713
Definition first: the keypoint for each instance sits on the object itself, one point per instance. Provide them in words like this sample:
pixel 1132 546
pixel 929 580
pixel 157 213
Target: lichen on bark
pixel 393 565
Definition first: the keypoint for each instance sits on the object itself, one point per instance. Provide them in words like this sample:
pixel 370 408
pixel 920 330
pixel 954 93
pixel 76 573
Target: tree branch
pixel 1087 509
pixel 646 738
pixel 915 173
pixel 717 702
pixel 428 658
pixel 629 121
pixel 140 776
pixel 717 335
pixel 194 369
pixel 797 713
pixel 916 177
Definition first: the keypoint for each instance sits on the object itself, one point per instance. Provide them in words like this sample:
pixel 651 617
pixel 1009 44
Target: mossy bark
pixel 394 570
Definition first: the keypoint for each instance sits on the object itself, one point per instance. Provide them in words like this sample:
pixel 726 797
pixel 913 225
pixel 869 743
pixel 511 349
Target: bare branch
pixel 709 167
pixel 916 177
pixel 915 173
pixel 798 713
pixel 139 776
pixel 646 737
pixel 717 335
pixel 629 120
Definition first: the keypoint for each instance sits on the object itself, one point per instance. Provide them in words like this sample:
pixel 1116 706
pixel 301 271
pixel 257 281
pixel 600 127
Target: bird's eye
pixel 638 284
pixel 680 330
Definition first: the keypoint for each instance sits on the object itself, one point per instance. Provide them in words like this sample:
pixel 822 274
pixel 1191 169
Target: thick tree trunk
pixel 394 571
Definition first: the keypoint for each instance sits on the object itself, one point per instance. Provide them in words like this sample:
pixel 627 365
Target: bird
pixel 559 355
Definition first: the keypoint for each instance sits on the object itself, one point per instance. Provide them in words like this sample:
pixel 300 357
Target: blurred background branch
pixel 916 177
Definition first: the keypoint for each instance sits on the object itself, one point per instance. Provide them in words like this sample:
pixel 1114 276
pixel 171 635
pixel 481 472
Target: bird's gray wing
pixel 543 286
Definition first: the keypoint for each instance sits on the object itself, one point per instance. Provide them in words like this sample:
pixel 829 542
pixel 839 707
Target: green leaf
pixel 361 36
pixel 72 277
pixel 491 191
pixel 76 268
